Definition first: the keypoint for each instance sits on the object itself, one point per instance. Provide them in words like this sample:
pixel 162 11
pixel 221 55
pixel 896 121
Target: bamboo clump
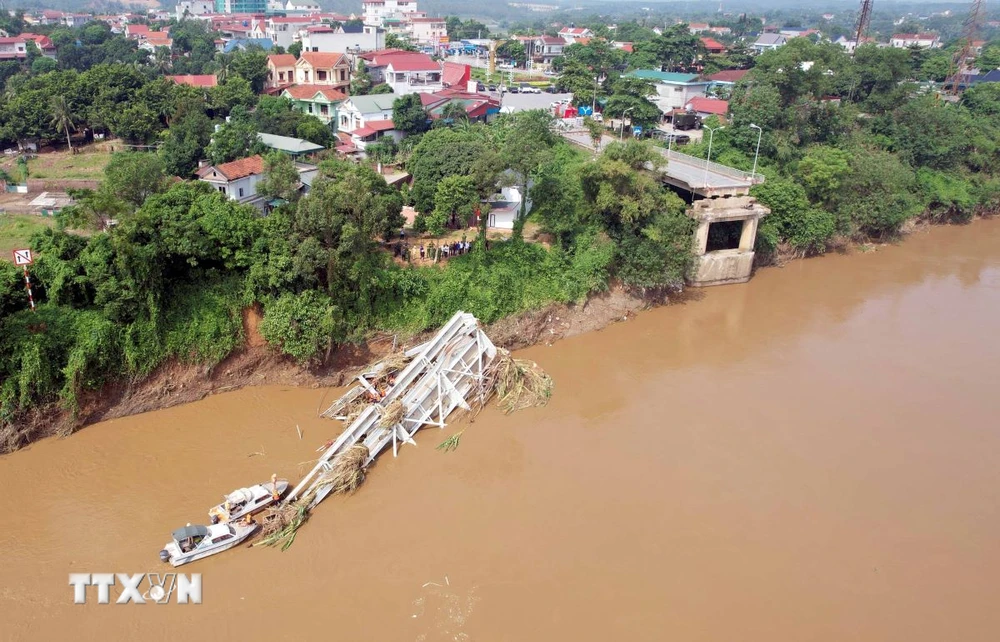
pixel 282 522
pixel 348 470
pixel 518 383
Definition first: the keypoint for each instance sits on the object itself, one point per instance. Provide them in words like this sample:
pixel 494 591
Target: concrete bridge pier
pixel 723 255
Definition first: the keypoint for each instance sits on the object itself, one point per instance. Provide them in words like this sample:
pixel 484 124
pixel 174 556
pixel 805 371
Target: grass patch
pixel 16 230
pixel 64 165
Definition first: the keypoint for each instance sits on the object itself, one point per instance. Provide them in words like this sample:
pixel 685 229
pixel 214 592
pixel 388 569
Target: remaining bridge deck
pixel 689 172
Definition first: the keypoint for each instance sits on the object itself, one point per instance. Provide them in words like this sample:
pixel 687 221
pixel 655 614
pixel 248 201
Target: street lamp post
pixel 593 106
pixel 760 134
pixel 711 136
pixel 621 133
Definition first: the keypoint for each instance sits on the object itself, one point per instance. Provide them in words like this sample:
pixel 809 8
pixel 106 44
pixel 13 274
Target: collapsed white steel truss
pixel 444 374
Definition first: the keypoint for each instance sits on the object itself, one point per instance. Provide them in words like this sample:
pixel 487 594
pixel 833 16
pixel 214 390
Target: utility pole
pixel 960 63
pixel 863 25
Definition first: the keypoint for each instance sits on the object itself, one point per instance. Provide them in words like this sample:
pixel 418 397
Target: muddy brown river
pixel 813 456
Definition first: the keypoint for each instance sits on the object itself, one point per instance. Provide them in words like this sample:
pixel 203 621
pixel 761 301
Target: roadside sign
pixel 22 257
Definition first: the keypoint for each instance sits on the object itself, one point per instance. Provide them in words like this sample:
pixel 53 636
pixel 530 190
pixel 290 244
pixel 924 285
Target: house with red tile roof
pixel 729 76
pixel 195 80
pixel 712 45
pixel 237 179
pixel 456 75
pixel 318 68
pixel 706 107
pixel 367 119
pixel 322 101
pixel 407 72
pixel 698 27
pixel 280 71
pixel 572 35
pixel 16 47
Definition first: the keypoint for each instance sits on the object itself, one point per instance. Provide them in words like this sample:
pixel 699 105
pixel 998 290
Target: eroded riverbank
pixel 810 456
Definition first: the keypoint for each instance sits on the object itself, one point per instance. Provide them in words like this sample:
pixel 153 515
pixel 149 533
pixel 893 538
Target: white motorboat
pixel 195 542
pixel 247 501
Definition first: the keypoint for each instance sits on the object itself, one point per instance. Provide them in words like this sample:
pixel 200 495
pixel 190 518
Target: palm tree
pixel 455 112
pixel 162 60
pixel 224 61
pixel 63 117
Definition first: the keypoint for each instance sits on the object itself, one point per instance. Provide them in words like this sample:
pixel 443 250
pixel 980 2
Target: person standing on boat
pixel 274 486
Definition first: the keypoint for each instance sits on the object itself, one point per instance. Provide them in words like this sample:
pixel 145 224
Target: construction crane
pixel 864 24
pixel 960 67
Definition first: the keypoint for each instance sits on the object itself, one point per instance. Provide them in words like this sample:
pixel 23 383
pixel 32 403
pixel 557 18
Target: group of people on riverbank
pixel 431 251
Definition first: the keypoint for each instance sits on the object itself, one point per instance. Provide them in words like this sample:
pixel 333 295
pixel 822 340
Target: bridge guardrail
pixel 712 166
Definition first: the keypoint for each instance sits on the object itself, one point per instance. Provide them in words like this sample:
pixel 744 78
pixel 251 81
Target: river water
pixel 813 456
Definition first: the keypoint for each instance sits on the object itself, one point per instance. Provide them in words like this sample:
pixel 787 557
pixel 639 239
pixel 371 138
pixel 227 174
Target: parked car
pixel 598 116
pixel 528 89
pixel 493 87
pixel 514 89
pixel 480 86
pixel 552 89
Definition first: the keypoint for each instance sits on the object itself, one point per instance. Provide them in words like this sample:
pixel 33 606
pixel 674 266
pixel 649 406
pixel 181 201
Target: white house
pixel 506 205
pixel 921 40
pixel 324 38
pixel 769 41
pixel 237 179
pixel 367 119
pixel 548 48
pixel 673 90
pixel 572 35
pixel 406 72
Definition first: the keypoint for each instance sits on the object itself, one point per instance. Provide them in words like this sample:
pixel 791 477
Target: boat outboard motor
pixel 164 555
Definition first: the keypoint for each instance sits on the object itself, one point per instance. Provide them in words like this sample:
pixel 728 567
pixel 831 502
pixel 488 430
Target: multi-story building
pixel 322 101
pixel 240 6
pixel 377 12
pixel 327 38
pixel 282 29
pixel 427 32
pixel 280 71
pixel 194 8
pixel 330 69
pixel 547 48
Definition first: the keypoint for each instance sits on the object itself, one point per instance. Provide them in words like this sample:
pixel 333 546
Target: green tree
pixel 235 91
pixel 235 139
pixel 134 177
pixel 596 131
pixel 361 80
pixel 251 65
pixel 295 49
pixel 189 134
pixel 300 324
pixel 455 196
pixel 449 152
pixel 408 114
pixel 527 145
pixel 821 171
pixel 63 117
pixel 877 196
pixel 630 96
pixel 281 179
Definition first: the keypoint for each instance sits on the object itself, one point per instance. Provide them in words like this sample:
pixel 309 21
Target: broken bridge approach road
pixel 695 175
